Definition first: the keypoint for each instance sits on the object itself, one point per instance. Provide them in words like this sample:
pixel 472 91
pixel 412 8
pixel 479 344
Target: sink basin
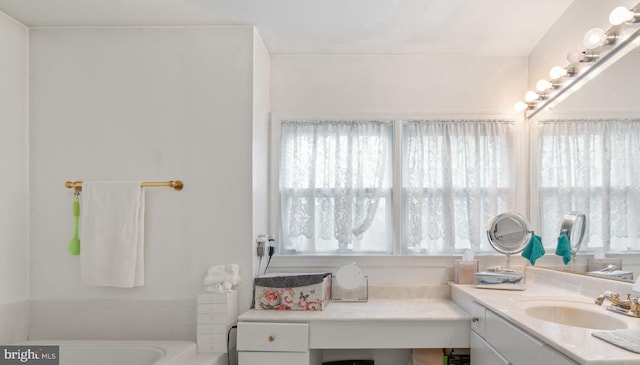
pixel 571 313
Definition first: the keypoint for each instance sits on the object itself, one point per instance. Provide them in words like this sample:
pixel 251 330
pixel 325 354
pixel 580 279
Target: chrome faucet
pixel 629 306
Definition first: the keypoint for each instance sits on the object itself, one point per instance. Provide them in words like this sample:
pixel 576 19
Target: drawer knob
pixel 474 319
pixel 272 338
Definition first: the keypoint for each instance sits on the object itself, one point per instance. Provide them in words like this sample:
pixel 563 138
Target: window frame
pixel 520 152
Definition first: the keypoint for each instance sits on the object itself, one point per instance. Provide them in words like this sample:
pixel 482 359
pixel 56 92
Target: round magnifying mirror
pixel 574 225
pixel 349 276
pixel 509 233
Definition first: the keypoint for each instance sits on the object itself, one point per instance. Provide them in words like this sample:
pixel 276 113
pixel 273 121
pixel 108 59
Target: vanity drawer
pixel 273 358
pixel 224 298
pixel 478 318
pixel 476 310
pixel 209 318
pixel 262 336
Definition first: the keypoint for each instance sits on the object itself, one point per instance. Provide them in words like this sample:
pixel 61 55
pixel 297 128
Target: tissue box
pixel 310 291
pixel 464 271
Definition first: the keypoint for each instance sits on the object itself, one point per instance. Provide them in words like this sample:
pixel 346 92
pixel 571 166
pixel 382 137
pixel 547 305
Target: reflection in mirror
pixel 573 226
pixel 608 269
pixel 613 95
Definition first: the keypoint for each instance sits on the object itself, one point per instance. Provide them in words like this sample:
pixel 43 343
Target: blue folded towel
pixel 563 248
pixel 534 249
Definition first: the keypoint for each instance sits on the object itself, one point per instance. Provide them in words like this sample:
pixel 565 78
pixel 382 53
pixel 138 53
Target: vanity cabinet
pixel 483 353
pixel 496 341
pixel 300 337
pixel 269 343
pixel 519 347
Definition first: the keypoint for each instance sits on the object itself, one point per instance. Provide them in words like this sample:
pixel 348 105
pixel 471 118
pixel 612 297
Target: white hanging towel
pixel 112 234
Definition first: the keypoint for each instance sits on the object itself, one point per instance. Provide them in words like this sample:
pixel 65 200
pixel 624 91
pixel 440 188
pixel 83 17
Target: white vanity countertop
pixel 575 342
pixel 373 310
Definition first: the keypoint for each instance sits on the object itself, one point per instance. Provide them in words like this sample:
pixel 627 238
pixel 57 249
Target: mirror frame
pixel 494 237
pixel 570 223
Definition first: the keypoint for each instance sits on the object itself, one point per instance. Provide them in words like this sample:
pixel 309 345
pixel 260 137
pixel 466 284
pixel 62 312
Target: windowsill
pixel 423 270
pixel 388 261
pixel 409 261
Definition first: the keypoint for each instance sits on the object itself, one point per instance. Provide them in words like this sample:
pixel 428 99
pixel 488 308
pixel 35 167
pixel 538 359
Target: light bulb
pixel 584 57
pixel 557 72
pixel 574 57
pixel 621 15
pixel 520 106
pixel 543 85
pixel 531 96
pixel 594 38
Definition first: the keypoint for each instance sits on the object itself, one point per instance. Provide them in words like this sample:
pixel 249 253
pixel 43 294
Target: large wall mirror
pixel 614 94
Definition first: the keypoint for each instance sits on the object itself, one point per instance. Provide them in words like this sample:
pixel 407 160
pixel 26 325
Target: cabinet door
pixel 518 346
pixel 551 356
pixel 483 354
pixel 273 358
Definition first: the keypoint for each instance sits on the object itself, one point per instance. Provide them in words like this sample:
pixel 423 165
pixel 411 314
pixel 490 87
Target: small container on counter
pixel 464 271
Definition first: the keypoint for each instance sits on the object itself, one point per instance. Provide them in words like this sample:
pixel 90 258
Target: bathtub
pixel 74 352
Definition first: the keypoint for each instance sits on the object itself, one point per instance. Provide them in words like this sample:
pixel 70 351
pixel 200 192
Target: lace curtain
pixel 457 175
pixel 335 190
pixel 591 166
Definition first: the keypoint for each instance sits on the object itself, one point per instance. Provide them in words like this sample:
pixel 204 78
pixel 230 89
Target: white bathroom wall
pixel 260 143
pixel 14 40
pixel 396 85
pixel 13 159
pixel 112 319
pixel 148 104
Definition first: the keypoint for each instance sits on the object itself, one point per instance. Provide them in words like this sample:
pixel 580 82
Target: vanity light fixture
pixel 622 14
pixel 585 56
pixel 558 72
pixel 597 37
pixel 602 49
pixel 543 85
pixel 531 96
pixel 521 106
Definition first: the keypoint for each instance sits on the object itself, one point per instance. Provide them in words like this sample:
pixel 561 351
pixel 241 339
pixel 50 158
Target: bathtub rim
pixel 174 351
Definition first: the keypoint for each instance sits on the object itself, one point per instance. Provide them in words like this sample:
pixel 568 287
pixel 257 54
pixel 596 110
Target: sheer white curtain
pixel 335 186
pixel 591 166
pixel 457 175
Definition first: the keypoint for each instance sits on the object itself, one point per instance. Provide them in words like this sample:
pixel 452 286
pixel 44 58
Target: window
pixel 591 166
pixel 337 193
pixel 335 187
pixel 457 176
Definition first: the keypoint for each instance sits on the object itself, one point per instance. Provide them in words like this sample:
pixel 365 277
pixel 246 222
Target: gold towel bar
pixel 176 184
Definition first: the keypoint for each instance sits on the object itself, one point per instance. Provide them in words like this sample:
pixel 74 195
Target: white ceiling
pixel 429 27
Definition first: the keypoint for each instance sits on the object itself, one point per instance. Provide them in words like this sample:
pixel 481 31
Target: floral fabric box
pixel 310 292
